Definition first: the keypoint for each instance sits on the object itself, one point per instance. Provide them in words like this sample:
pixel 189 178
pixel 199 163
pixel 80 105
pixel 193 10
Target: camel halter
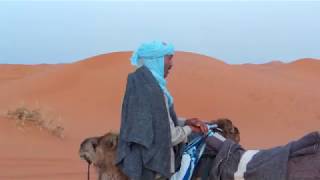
pixel 88 171
pixel 89 163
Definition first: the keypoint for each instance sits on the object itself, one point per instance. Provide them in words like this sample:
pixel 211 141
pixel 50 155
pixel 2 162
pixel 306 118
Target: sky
pixel 237 32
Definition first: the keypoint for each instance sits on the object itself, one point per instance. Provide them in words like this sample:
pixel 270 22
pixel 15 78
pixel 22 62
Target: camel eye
pixel 94 145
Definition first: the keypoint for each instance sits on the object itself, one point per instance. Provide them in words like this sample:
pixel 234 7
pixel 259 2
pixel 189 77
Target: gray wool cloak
pixel 145 139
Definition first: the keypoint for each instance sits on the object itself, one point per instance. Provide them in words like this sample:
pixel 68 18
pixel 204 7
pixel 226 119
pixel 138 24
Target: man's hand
pixel 197 125
pixel 195 129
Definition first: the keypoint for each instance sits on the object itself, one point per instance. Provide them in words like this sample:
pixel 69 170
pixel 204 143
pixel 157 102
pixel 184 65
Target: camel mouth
pixel 85 157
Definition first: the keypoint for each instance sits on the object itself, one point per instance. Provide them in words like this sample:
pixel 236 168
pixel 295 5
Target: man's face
pixel 168 63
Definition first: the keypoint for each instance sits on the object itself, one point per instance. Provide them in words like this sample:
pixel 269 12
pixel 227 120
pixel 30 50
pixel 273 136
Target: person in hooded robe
pixel 152 137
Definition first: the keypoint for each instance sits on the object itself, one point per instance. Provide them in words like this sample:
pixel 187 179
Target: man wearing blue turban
pixel 151 136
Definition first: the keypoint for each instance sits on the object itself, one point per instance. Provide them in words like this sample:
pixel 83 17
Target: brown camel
pixel 101 151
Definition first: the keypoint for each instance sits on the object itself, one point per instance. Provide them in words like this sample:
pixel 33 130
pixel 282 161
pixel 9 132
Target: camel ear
pixel 114 141
pixel 110 140
pixel 237 134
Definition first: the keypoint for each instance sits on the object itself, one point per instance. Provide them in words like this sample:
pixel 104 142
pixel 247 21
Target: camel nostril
pixel 87 159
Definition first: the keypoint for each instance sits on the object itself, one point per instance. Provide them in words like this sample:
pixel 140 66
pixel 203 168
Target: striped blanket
pixel 298 160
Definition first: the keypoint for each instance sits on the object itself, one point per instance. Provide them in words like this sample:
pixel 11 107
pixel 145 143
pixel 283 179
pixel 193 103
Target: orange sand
pixel 271 103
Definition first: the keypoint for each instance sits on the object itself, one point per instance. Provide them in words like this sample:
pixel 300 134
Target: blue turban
pixel 151 55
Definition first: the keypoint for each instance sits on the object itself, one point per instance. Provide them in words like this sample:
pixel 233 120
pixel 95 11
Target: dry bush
pixel 24 116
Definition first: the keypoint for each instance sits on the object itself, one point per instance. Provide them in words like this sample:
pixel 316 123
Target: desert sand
pixel 271 104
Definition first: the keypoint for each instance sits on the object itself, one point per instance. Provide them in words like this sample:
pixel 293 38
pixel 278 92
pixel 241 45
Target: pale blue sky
pixel 233 31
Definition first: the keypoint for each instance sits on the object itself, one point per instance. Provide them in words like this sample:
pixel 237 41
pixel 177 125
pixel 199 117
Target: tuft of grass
pixel 24 116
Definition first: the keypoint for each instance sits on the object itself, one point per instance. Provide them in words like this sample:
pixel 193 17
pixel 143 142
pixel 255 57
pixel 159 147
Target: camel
pixel 101 151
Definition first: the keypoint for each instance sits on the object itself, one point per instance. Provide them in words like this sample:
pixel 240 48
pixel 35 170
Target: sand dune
pixel 271 104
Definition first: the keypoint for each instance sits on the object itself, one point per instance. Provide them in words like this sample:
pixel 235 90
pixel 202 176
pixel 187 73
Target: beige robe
pixel 179 134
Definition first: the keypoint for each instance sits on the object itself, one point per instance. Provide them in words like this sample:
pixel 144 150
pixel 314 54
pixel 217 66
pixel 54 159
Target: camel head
pixel 228 129
pixel 93 148
pixel 101 152
pixel 87 149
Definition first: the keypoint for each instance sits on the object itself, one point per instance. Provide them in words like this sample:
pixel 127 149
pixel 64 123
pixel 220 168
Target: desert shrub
pixel 34 117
